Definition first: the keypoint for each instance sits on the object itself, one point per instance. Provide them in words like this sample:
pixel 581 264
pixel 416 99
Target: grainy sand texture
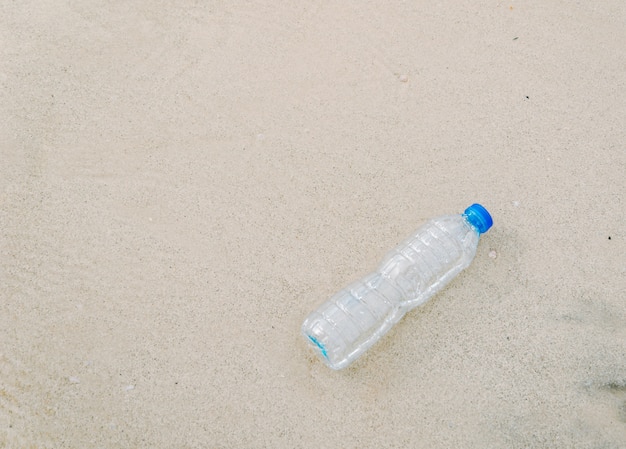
pixel 181 183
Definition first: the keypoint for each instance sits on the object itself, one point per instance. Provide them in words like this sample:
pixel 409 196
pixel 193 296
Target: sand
pixel 181 183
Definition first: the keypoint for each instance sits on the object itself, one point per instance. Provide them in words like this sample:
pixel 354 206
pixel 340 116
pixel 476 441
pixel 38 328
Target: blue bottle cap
pixel 478 217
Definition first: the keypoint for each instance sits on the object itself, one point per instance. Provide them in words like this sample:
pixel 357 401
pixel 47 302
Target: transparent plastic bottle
pixel 351 321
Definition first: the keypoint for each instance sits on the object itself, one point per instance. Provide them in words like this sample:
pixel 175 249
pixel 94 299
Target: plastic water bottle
pixel 351 321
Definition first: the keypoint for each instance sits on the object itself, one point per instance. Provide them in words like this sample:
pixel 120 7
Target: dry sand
pixel 182 182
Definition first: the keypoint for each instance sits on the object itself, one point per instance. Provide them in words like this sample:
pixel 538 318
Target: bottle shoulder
pixel 454 227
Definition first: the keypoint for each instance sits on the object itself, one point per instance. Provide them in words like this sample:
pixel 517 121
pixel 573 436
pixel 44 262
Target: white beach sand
pixel 181 183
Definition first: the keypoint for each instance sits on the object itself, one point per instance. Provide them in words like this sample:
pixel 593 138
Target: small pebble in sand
pixel 493 254
pixel 403 78
pixel 73 380
pixel 515 203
